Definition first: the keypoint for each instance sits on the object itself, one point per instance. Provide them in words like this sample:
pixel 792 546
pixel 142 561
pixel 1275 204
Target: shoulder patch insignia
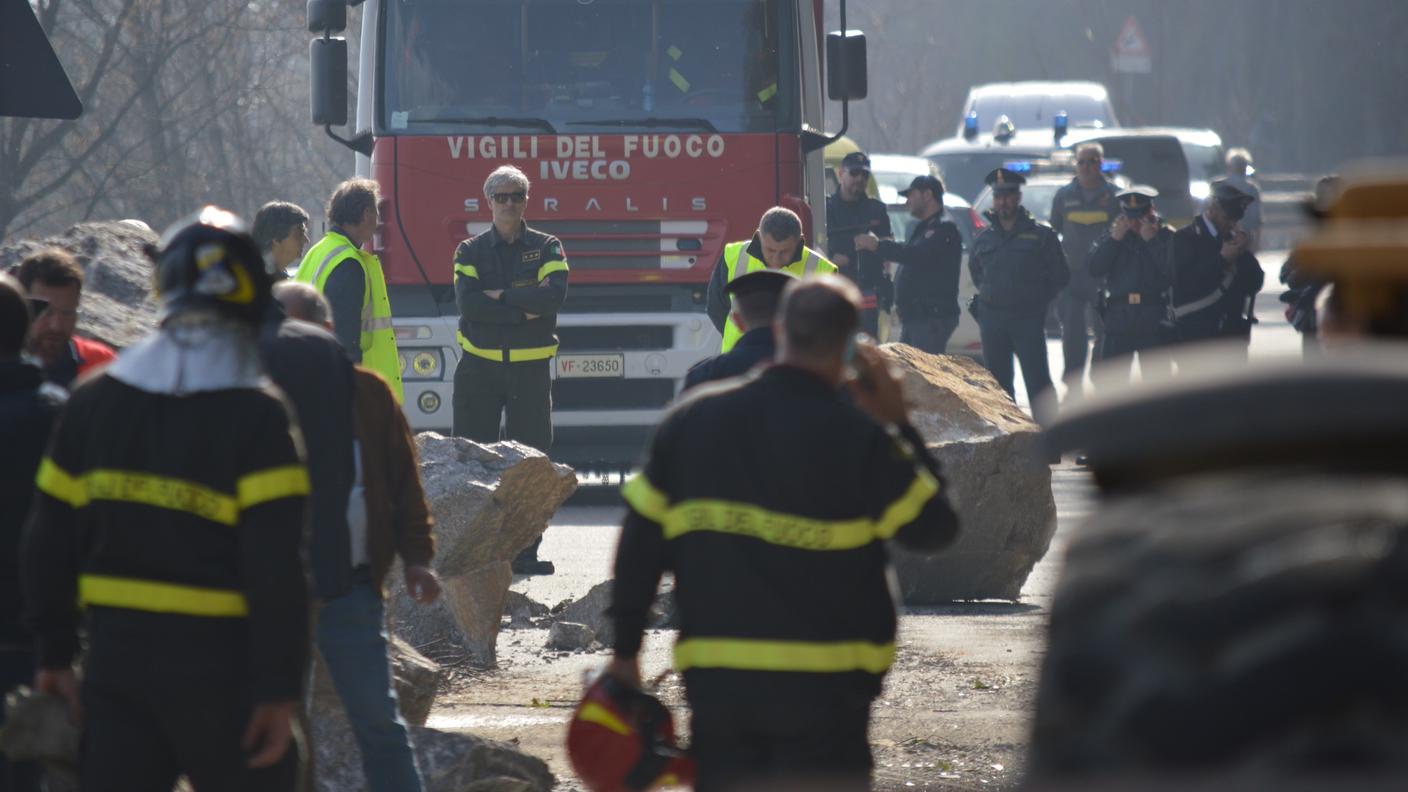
pixel 928 233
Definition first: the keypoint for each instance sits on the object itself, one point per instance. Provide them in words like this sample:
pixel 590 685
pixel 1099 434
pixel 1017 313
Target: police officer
pixel 353 281
pixel 1081 212
pixel 849 212
pixel 756 296
pixel 510 282
pixel 926 287
pixel 170 508
pixel 778 245
pixel 770 498
pixel 1132 258
pixel 1019 268
pixel 1215 276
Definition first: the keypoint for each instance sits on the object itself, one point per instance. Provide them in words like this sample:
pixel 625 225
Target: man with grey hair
pixel 510 282
pixel 281 232
pixel 778 245
pixel 1239 170
pixel 1081 212
pixel 353 281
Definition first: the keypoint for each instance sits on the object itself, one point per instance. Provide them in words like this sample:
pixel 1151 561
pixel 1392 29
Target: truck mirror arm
pixel 362 143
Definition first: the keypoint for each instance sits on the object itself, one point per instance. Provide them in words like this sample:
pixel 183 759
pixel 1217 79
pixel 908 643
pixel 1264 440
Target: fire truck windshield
pixel 607 65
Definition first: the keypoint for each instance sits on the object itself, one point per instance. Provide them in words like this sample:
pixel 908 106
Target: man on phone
pixel 1215 276
pixel 1132 258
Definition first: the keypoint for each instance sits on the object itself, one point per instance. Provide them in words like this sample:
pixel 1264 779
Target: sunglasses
pixel 1088 161
pixel 515 197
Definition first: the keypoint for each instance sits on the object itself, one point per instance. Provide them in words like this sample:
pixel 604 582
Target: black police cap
pixel 1137 199
pixel 1003 180
pixel 1227 193
pixel 763 280
pixel 925 182
pixel 856 159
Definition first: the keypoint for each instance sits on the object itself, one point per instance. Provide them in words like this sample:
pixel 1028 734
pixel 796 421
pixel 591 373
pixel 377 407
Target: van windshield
pixel 1035 111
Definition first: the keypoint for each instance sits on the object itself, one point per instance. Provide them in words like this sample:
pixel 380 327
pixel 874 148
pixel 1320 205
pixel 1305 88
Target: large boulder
pixel 591 611
pixel 489 502
pixel 999 482
pixel 118 306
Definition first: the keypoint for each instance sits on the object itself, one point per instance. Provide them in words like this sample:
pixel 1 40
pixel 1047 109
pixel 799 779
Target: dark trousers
pixel 1078 317
pixel 927 331
pixel 519 393
pixel 156 706
pixel 741 754
pixel 1013 334
pixel 1117 352
pixel 16 668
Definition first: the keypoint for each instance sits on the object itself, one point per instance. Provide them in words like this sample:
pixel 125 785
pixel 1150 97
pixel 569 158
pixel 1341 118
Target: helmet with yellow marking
pixel 623 740
pixel 209 261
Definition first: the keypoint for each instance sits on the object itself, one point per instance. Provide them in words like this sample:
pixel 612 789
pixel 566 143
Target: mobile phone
pixel 862 376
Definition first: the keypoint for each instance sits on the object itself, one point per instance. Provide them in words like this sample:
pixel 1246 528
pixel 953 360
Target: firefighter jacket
pixel 1020 271
pixel 378 338
pixel 521 324
pixel 806 263
pixel 184 508
pixel 771 500
pixel 1212 297
pixel 1080 220
pixel 1137 281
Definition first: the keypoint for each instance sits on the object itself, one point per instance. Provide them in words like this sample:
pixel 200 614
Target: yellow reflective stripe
pixel 467 270
pixel 648 501
pixel 679 80
pixel 674 52
pixel 767 93
pixel 158 597
pixel 551 267
pixel 762 655
pixel 593 712
pixel 1088 217
pixel 907 506
pixel 161 492
pixel 327 260
pixel 786 530
pixel 272 484
pixel 55 482
pixel 514 355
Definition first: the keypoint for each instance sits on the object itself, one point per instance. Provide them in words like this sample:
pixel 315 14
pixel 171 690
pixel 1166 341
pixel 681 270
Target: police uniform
pixel 926 286
pixel 1137 283
pixel 747 256
pixel 770 500
pixel 844 220
pixel 1018 273
pixel 1212 297
pixel 1080 217
pixel 756 346
pixel 507 356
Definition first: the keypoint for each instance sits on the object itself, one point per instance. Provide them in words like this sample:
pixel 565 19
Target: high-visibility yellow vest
pixel 810 263
pixel 378 337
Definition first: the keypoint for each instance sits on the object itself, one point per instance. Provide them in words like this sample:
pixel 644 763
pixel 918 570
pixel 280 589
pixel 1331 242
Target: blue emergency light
pixel 970 125
pixel 1060 124
pixel 1018 166
pixel 1111 166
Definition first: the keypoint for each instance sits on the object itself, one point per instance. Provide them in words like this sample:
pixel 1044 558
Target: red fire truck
pixel 653 131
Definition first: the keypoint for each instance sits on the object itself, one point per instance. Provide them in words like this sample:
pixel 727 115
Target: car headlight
pixel 421 364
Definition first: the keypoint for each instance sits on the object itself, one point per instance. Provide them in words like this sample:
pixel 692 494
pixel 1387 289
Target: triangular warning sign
pixel 1131 40
pixel 32 81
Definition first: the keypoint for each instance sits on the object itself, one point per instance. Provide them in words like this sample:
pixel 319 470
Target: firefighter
pixel 770 498
pixel 1132 258
pixel 778 244
pixel 170 508
pixel 510 282
pixel 361 309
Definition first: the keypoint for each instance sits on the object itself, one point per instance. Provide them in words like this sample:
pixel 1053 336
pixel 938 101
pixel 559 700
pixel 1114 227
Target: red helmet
pixel 623 740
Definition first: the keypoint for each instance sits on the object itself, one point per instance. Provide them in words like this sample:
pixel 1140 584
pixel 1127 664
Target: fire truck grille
pixel 611 394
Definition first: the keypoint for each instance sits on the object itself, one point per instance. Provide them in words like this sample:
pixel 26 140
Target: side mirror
pixel 846 70
pixel 327 16
pixel 328 62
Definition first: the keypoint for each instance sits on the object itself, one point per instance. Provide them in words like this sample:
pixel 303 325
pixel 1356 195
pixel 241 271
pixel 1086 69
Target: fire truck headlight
pixel 421 364
pixel 428 402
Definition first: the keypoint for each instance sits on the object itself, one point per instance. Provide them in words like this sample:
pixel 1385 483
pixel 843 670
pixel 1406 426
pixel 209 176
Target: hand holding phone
pixel 877 388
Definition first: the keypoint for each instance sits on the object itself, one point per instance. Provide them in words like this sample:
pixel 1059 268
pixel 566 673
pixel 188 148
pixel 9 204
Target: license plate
pixel 569 366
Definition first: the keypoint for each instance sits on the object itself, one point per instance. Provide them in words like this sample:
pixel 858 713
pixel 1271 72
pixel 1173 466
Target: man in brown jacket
pixel 386 516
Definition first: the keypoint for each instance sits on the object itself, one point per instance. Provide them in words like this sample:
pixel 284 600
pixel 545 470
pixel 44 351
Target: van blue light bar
pixel 1018 166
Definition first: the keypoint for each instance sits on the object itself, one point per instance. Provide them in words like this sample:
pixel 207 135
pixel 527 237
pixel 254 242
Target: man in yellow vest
pixel 778 245
pixel 361 310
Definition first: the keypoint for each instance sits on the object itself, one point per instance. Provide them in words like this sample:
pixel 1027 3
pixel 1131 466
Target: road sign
pixel 1131 54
